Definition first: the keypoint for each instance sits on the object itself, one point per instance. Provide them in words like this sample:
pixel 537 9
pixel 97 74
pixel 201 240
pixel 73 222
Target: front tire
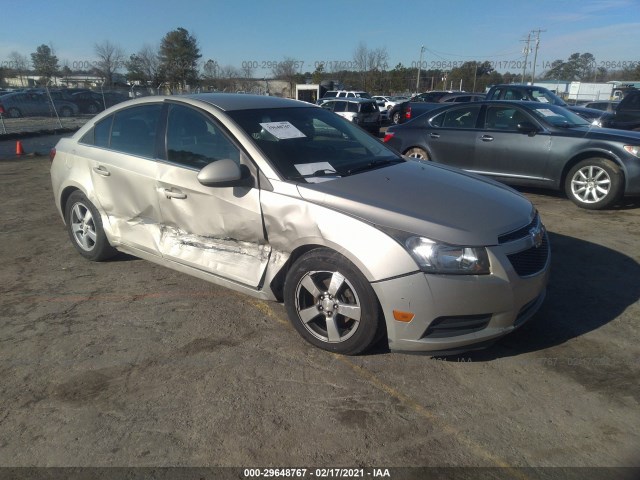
pixel 594 184
pixel 331 304
pixel 84 226
pixel 66 112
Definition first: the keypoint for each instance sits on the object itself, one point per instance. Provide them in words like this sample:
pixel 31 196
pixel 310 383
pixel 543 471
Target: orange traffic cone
pixel 19 149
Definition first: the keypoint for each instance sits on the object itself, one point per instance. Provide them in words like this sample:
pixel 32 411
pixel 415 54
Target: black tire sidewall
pixel 371 315
pixel 102 249
pixel 617 183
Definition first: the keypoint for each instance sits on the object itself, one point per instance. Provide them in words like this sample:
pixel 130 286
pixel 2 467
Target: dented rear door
pixel 123 173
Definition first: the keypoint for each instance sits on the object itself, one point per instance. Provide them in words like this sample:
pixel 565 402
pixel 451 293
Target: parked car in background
pixel 346 94
pixel 461 97
pixel 29 104
pixel 607 106
pixel 386 102
pixel 527 143
pixel 534 93
pixel 405 111
pixel 626 115
pixel 432 96
pixel 286 201
pixel 361 111
pixel 94 102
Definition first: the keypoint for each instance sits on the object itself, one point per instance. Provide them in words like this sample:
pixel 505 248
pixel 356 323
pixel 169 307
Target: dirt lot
pixel 126 363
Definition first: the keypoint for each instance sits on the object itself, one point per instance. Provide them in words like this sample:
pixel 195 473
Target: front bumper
pixel 456 313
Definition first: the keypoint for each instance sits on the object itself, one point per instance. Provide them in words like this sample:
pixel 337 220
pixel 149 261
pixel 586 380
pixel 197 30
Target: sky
pixel 268 31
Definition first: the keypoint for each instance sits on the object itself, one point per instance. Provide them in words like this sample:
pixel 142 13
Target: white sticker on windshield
pixel 546 112
pixel 324 170
pixel 282 130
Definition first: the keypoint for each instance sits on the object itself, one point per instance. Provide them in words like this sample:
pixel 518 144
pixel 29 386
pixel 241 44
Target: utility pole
pixel 419 67
pixel 526 55
pixel 535 56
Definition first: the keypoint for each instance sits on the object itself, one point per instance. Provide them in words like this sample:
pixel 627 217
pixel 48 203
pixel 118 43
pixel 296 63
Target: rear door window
pixel 463 117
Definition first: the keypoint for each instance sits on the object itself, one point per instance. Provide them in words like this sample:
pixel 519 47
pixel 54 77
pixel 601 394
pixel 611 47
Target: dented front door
pixel 216 229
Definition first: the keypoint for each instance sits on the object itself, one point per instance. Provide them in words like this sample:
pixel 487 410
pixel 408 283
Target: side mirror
pixel 528 128
pixel 224 173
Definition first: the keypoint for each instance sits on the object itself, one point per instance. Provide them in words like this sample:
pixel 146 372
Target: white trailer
pixel 588 92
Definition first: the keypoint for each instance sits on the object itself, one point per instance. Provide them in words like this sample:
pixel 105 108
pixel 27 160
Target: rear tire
pixel 331 304
pixel 594 183
pixel 14 113
pixel 418 153
pixel 84 226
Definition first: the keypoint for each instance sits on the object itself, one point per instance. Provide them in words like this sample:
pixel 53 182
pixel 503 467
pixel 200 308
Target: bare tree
pixel 19 63
pixel 287 70
pixel 110 59
pixel 371 63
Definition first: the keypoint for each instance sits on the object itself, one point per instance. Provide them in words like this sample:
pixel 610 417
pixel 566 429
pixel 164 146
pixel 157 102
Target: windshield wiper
pixel 323 172
pixel 373 165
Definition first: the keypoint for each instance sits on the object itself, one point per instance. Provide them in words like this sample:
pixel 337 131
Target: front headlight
pixel 434 257
pixel 633 150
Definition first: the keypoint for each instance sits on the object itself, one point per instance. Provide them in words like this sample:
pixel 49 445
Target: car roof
pixel 240 101
pixel 350 99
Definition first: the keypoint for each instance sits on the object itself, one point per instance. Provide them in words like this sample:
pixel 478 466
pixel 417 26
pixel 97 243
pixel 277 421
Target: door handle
pixel 434 135
pixel 486 138
pixel 101 171
pixel 169 193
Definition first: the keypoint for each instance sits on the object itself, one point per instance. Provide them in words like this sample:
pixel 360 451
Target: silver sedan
pixel 289 202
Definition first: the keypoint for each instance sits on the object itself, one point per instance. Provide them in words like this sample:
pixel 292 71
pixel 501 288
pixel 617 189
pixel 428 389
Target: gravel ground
pixel 126 363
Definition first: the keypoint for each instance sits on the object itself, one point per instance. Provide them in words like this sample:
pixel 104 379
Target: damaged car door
pixel 218 228
pixel 119 153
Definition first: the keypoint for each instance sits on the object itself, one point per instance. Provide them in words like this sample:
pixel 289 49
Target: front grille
pixel 443 327
pixel 531 261
pixel 521 232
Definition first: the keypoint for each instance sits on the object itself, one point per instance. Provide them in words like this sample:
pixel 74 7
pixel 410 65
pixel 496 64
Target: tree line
pixel 176 63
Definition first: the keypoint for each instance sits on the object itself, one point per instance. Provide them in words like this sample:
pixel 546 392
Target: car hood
pixel 627 137
pixel 439 202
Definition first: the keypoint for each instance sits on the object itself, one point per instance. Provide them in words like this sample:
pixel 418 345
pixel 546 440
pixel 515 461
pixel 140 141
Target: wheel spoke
pixel 350 311
pixel 77 212
pixel 308 314
pixel 92 235
pixel 87 216
pixel 332 330
pixel 310 286
pixel 76 227
pixel 84 240
pixel 337 280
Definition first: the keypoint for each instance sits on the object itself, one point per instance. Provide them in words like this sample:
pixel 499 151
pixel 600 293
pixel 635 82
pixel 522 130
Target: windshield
pixel 312 144
pixel 545 96
pixel 558 116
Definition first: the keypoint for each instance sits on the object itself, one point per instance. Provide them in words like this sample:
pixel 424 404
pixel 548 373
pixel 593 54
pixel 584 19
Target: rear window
pixel 368 107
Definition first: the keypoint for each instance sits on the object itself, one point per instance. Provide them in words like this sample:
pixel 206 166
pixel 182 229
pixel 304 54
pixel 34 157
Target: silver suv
pixel 361 111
